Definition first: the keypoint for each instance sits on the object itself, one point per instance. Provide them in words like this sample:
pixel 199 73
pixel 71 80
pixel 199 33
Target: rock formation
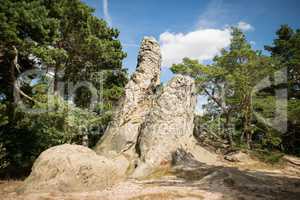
pixel 169 123
pixel 169 127
pixel 121 135
pixel 74 168
pixel 149 125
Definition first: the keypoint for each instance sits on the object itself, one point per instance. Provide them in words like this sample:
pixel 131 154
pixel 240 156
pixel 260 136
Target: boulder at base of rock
pixel 292 160
pixel 73 168
pixel 238 157
pixel 292 164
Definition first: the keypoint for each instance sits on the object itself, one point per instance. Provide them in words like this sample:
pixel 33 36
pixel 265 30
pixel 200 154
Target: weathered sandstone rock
pixel 149 125
pixel 238 157
pixel 68 168
pixel 121 135
pixel 291 164
pixel 169 127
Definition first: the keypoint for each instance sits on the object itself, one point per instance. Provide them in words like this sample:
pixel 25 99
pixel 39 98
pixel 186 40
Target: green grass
pixel 271 157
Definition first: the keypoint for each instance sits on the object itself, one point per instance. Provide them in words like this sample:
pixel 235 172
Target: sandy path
pixel 199 182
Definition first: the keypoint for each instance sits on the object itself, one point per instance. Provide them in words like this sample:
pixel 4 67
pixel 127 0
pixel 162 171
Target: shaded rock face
pixel 74 168
pixel 121 135
pixel 183 158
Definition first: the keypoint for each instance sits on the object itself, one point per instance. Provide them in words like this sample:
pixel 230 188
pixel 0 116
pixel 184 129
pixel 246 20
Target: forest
pixel 47 47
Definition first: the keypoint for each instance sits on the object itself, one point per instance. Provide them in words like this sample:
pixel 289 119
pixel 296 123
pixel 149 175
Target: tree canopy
pixel 230 84
pixel 65 44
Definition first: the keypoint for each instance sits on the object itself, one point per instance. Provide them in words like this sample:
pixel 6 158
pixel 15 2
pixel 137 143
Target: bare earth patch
pixel 199 181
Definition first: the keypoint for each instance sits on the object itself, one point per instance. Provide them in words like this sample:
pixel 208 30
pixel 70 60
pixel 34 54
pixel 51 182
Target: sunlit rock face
pixel 67 168
pixel 122 133
pixel 169 125
pixel 152 122
pixel 170 120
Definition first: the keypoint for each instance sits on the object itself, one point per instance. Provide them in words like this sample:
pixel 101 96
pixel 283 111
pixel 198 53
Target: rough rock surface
pixel 121 135
pixel 169 127
pixel 68 168
pixel 238 157
pixel 292 164
pixel 188 180
pixel 149 125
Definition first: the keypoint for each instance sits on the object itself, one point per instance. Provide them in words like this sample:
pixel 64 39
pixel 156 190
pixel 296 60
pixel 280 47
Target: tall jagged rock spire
pixel 122 133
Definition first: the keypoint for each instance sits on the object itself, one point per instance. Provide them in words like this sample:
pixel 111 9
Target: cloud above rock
pixel 244 26
pixel 211 34
pixel 201 44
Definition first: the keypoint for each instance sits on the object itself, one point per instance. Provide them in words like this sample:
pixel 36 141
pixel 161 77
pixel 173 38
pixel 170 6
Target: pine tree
pixel 233 76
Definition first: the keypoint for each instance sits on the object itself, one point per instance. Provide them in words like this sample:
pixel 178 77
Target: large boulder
pixel 69 168
pixel 169 127
pixel 122 133
pixel 238 156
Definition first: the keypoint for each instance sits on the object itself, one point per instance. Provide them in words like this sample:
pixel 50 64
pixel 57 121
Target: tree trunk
pixel 247 122
pixel 12 81
pixel 227 131
pixel 55 81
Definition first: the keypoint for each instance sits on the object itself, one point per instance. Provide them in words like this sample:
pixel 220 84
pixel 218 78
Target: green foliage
pixel 293 111
pixel 240 63
pixel 57 36
pixel 25 28
pixel 265 105
pixel 286 49
pixel 52 57
pixel 25 22
pixel 3 162
pixel 229 82
pixel 34 132
pixel 3 117
pixel 272 157
pixel 81 31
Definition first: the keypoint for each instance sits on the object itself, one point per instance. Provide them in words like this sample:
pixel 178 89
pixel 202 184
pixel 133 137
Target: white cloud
pixel 201 44
pixel 212 33
pixel 253 43
pixel 106 12
pixel 244 26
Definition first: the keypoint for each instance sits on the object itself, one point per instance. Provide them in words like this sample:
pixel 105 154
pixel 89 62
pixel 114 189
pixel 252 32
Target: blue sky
pixel 138 18
pixel 194 28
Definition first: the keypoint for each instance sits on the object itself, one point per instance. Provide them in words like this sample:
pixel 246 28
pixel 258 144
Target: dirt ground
pixel 198 181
